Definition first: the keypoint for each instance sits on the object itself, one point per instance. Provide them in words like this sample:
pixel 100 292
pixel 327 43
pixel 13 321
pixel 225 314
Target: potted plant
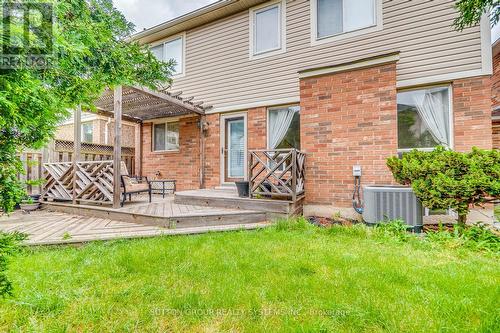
pixel 28 204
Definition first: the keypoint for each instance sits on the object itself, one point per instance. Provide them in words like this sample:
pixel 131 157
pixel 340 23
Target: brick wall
pixel 66 132
pixel 495 96
pixel 347 118
pixel 182 165
pixel 212 151
pixel 472 113
pixel 496 134
pixel 495 82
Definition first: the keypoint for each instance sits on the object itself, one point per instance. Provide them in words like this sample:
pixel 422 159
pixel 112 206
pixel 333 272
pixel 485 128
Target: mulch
pixel 326 222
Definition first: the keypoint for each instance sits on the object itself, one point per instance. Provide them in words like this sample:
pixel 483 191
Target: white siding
pixel 220 73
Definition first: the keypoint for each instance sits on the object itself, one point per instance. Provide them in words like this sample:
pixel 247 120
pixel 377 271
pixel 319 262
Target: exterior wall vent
pixel 392 202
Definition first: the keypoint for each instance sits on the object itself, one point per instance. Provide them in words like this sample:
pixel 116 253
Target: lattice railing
pixel 93 182
pixel 277 173
pixel 63 152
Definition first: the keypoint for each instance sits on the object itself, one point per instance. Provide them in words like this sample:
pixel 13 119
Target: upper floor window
pixel 267 29
pixel 171 49
pixel 87 132
pixel 336 18
pixel 166 136
pixel 424 118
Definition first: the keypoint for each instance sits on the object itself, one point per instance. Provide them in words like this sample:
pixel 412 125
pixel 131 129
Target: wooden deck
pixel 51 228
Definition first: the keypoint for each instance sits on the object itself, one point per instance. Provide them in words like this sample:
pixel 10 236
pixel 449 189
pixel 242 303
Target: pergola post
pixel 77 144
pixel 117 148
pixel 138 150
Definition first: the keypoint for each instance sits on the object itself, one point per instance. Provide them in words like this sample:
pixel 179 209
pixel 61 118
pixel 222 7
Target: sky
pixel 148 13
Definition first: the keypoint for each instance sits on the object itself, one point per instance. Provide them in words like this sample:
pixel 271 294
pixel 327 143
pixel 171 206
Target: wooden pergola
pixel 135 104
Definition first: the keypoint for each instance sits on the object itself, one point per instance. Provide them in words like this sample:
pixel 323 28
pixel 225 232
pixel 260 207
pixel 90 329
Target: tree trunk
pixel 462 219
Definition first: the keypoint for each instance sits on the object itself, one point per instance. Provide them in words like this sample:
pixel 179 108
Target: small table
pixel 163 186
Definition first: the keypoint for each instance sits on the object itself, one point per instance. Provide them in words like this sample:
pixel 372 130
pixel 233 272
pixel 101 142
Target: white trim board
pixel 364 63
pixel 265 103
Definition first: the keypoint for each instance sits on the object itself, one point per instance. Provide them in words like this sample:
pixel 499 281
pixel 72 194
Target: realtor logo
pixel 27 36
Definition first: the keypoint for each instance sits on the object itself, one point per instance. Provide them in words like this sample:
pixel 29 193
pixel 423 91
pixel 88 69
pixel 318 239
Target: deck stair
pixel 224 198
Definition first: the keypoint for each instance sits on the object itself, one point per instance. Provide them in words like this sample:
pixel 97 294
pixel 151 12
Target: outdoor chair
pixel 133 184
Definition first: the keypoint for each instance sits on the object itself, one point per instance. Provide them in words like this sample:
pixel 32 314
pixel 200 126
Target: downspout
pixel 106 132
pixel 202 150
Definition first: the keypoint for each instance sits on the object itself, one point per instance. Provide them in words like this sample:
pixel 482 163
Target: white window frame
pixel 269 110
pixel 315 40
pixel 166 122
pixel 451 117
pixel 181 36
pixel 281 4
pixel 82 137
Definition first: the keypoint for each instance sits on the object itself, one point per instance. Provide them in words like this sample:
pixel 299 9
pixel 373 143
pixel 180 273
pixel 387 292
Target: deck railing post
pixel 250 175
pixel 294 175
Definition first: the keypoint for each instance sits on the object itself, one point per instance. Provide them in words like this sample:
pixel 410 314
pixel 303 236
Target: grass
pixel 292 277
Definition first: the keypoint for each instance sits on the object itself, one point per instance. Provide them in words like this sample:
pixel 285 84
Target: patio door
pixel 234 148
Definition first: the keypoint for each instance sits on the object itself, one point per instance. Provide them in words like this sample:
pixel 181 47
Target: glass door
pixel 235 149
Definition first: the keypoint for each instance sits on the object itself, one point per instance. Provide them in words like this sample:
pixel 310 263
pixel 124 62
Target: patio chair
pixel 133 185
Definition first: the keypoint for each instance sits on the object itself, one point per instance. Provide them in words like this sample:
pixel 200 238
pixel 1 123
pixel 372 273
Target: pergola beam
pixel 169 98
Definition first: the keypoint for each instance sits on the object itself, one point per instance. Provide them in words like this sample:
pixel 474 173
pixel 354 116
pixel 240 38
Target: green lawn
pixel 304 279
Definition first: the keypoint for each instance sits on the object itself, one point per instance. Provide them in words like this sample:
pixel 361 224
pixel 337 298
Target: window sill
pixel 266 54
pixel 166 151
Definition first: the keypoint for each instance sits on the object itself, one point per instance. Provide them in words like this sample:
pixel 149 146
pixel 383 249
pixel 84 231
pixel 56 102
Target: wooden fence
pixel 277 173
pixel 62 151
pixel 90 181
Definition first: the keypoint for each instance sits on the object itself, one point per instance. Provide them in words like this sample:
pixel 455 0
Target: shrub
pixel 9 244
pixel 444 179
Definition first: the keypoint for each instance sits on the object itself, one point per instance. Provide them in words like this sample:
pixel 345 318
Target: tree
pixel 471 11
pixel 444 179
pixel 91 51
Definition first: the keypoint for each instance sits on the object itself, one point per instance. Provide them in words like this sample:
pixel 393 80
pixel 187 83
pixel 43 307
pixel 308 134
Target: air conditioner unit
pixel 392 202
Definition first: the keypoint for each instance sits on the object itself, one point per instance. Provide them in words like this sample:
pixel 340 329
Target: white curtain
pixel 279 123
pixel 432 108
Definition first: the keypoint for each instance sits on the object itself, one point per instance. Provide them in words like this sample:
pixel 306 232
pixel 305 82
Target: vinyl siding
pixel 220 73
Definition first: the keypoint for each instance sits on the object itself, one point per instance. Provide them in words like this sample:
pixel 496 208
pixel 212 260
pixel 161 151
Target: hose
pixel 357 204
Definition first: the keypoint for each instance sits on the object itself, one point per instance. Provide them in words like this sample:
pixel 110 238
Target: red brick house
pixel 347 83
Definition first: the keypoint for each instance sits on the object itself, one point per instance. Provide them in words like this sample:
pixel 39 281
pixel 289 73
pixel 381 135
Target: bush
pixel 9 244
pixel 444 179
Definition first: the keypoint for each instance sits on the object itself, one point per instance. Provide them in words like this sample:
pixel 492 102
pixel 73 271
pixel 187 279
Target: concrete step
pixel 229 199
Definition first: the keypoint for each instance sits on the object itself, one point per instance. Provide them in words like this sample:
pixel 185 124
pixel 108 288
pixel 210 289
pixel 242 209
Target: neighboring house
pixel 496 94
pixel 347 82
pixel 97 129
